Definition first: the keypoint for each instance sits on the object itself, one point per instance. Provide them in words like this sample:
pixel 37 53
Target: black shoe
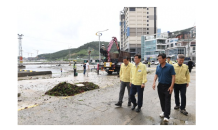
pixel 184 112
pixel 118 104
pixel 134 105
pixel 129 103
pixel 176 107
pixel 138 109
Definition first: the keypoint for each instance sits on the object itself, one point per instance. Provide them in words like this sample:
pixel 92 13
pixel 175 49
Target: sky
pixel 50 29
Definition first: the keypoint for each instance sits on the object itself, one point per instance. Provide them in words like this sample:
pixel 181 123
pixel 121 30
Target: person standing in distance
pixel 190 65
pixel 182 80
pixel 87 68
pixel 169 61
pixel 124 80
pixel 138 78
pixel 166 78
pixel 84 69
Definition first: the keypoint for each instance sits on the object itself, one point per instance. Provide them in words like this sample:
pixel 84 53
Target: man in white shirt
pixel 87 68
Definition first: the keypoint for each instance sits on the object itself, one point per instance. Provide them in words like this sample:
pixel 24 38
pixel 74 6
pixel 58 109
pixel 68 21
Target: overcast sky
pixel 50 29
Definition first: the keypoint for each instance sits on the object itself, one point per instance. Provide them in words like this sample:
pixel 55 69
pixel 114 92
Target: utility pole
pixel 37 53
pixel 20 50
pixel 69 52
pixel 188 45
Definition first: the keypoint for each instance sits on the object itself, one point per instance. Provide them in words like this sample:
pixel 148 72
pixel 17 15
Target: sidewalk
pixel 97 107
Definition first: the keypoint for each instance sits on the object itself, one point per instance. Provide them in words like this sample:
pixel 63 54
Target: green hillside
pixel 81 52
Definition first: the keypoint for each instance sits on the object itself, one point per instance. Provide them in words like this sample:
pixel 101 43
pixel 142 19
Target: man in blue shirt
pixel 166 78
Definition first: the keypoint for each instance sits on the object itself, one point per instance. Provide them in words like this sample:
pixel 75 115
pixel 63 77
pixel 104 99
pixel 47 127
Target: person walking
pixel 182 80
pixel 74 68
pixel 190 65
pixel 169 61
pixel 166 78
pixel 61 70
pixel 138 78
pixel 149 63
pixel 84 69
pixel 124 80
pixel 87 68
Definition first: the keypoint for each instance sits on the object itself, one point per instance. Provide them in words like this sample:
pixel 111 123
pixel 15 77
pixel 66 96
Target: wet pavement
pixel 96 107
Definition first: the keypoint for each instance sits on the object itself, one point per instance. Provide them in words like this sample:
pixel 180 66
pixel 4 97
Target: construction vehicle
pixel 112 61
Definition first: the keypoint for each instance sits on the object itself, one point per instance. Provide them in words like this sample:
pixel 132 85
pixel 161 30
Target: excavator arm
pixel 114 39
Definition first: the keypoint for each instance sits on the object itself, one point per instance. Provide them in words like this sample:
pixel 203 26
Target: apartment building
pixel 135 22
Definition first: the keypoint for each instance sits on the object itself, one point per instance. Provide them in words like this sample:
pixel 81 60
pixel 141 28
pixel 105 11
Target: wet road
pixel 96 107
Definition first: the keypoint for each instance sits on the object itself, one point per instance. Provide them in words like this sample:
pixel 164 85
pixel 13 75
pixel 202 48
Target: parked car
pixel 152 62
pixel 145 62
pixel 156 63
pixel 186 60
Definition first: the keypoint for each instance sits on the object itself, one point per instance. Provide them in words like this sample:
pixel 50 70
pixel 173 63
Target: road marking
pixel 28 107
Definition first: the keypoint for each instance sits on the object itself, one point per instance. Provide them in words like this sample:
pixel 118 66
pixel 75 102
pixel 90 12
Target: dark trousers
pixel 190 69
pixel 84 72
pixel 123 85
pixel 139 90
pixel 165 98
pixel 182 89
pixel 74 72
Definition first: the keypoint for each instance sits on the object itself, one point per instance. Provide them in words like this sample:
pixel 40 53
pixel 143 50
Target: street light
pixel 99 34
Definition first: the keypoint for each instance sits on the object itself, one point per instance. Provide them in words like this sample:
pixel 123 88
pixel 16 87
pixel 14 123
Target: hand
pixel 187 85
pixel 154 86
pixel 171 90
pixel 143 85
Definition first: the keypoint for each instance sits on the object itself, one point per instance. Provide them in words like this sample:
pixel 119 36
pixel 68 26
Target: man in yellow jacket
pixel 125 80
pixel 138 78
pixel 169 61
pixel 182 80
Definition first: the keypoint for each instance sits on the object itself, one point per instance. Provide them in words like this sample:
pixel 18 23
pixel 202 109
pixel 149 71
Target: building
pixel 158 32
pixel 152 45
pixel 173 48
pixel 135 22
pixel 182 42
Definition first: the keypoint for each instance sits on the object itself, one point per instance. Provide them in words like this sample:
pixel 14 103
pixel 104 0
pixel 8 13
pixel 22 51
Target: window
pixel 147 20
pixel 175 43
pixel 147 12
pixel 167 46
pixel 147 32
pixel 147 28
pixel 147 16
pixel 171 45
pixel 147 8
pixel 131 9
pixel 147 24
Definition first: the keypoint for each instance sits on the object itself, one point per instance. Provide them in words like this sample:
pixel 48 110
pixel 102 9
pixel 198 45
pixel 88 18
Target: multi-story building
pixel 152 45
pixel 182 42
pixel 135 22
pixel 173 48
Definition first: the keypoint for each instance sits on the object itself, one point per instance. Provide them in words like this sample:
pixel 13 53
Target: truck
pixel 112 61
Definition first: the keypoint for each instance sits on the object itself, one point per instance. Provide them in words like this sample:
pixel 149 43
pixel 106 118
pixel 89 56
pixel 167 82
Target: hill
pixel 81 52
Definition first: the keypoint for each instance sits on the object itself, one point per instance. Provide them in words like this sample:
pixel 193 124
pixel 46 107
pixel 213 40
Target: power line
pixel 47 40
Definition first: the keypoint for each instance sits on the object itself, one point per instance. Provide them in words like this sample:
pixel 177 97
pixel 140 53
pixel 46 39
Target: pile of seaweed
pixel 67 89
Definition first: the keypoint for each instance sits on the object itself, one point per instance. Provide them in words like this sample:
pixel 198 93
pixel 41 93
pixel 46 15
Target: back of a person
pixel 84 66
pixel 87 65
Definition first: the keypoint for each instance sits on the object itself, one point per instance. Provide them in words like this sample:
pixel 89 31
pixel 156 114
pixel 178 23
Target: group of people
pixel 170 77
